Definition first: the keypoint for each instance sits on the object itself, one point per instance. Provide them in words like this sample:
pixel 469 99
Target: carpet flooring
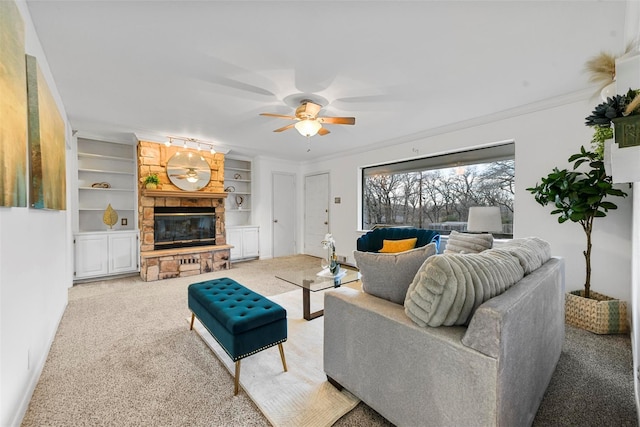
pixel 302 396
pixel 124 356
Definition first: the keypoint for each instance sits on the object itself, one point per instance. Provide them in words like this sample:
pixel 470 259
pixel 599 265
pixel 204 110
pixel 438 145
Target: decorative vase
pixel 151 186
pixel 599 314
pixel 334 266
pixel 627 130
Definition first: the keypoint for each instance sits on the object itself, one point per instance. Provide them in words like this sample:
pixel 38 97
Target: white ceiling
pixel 206 69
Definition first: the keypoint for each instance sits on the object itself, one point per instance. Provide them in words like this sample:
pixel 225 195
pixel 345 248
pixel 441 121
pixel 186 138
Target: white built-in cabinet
pixel 105 253
pixel 106 176
pixel 244 236
pixel 245 240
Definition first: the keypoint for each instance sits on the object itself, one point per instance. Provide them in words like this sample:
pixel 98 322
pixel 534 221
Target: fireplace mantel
pixel 183 194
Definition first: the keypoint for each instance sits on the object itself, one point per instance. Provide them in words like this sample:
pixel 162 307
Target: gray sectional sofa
pixel 493 370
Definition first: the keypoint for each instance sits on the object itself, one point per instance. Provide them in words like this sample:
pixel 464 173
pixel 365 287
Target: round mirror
pixel 188 171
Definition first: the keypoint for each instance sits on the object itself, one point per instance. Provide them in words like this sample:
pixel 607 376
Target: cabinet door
pixel 234 238
pixel 250 242
pixel 123 253
pixel 91 256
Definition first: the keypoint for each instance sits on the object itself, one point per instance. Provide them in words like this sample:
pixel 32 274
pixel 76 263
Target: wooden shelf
pixel 183 194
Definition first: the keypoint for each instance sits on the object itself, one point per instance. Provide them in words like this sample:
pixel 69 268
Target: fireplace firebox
pixel 179 227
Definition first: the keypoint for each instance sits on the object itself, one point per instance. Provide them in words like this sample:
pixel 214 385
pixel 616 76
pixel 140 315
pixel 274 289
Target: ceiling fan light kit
pixel 308 127
pixel 309 124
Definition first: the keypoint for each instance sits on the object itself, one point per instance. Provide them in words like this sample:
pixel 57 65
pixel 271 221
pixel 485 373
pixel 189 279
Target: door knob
pixel 326 222
pixel 275 220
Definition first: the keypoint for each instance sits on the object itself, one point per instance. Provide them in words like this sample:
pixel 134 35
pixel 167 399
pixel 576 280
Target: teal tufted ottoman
pixel 242 321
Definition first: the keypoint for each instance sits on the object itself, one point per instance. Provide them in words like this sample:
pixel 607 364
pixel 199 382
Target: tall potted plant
pixel 579 195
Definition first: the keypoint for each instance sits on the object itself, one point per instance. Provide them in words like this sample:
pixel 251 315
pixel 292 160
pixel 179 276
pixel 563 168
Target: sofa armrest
pixel 523 328
pixel 403 371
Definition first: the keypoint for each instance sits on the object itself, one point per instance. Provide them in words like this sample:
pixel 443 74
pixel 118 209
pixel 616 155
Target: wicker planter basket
pixel 599 314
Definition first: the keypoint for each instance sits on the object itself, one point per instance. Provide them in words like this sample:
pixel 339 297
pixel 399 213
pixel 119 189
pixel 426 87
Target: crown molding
pixel 533 107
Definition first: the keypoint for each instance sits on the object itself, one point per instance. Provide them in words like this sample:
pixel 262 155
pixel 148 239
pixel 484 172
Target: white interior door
pixel 316 213
pixel 284 214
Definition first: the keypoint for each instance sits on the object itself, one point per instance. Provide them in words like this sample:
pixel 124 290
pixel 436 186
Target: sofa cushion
pixel 448 288
pixel 468 243
pixel 393 246
pixel 388 275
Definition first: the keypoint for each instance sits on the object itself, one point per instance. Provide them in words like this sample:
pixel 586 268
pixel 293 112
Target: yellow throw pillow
pixel 393 246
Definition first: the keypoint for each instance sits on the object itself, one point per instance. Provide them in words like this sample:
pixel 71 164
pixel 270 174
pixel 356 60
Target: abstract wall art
pixel 13 108
pixel 47 172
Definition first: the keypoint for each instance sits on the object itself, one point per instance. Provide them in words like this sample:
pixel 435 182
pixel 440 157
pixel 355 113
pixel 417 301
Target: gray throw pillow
pixel 449 288
pixel 532 252
pixel 388 275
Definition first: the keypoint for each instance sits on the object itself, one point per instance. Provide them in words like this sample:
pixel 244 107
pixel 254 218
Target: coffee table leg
pixel 306 306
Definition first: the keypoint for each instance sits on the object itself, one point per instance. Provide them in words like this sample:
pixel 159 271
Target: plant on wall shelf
pixel 603 115
pixel 151 181
pixel 579 196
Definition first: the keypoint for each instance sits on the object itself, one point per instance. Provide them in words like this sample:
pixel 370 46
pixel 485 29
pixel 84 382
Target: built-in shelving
pixel 106 176
pixel 240 233
pixel 237 184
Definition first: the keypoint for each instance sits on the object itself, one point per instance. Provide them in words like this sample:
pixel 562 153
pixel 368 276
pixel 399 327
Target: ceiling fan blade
pixel 338 120
pixel 323 131
pixel 280 116
pixel 285 127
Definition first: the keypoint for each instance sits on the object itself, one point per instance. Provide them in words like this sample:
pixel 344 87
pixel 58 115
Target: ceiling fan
pixel 190 175
pixel 308 122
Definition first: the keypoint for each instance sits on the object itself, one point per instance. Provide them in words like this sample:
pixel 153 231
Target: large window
pixel 437 192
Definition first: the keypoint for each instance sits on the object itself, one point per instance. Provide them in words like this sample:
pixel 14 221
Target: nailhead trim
pixel 235 359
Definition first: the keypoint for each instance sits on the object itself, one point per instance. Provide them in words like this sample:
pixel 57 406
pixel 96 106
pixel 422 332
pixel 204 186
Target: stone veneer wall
pixel 167 263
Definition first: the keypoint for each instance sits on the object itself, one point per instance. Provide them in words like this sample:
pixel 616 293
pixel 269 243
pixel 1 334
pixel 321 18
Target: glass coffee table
pixel 310 281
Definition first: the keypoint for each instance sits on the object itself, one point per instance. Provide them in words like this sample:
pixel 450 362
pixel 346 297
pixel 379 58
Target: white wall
pixel 625 167
pixel 35 272
pixel 544 138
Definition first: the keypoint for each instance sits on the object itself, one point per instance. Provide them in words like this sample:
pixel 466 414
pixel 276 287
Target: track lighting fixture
pixel 191 143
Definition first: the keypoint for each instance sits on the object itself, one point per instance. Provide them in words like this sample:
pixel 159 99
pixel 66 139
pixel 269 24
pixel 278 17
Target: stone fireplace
pixel 186 260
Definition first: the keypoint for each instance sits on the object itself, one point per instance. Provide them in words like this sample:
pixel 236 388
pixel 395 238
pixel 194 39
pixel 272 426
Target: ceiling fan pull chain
pixel 309 142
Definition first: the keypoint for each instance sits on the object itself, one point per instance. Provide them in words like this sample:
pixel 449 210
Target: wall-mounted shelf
pixel 183 194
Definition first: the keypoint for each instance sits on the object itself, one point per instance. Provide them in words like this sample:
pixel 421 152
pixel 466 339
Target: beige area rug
pixel 302 396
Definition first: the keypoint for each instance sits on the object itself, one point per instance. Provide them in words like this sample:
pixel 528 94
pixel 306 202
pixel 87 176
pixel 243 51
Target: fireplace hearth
pixel 180 227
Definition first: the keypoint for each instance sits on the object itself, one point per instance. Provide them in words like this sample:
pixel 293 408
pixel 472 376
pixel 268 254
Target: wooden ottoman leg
pixel 284 362
pixel 193 316
pixel 237 379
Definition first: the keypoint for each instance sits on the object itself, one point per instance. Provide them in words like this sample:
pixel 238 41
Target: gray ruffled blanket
pixel 448 288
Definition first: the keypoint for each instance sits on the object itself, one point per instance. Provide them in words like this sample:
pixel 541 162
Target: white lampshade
pixel 308 127
pixel 484 219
